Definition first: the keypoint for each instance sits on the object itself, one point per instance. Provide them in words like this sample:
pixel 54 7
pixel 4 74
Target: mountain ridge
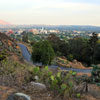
pixel 2 22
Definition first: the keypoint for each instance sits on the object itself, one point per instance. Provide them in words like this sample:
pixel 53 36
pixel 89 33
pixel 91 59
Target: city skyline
pixel 51 12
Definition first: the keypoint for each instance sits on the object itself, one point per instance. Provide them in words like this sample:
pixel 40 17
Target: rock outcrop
pixel 62 61
pixel 18 96
pixel 38 86
pixel 8 47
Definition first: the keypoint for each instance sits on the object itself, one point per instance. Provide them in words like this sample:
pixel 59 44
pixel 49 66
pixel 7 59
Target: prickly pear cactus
pixel 96 75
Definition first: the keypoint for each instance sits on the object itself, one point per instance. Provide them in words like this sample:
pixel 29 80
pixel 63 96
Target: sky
pixel 51 12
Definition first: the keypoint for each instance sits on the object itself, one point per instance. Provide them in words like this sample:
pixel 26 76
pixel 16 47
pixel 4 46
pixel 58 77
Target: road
pixel 27 56
pixel 25 52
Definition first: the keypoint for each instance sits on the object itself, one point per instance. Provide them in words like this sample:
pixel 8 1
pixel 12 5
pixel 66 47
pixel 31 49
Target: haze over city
pixel 51 12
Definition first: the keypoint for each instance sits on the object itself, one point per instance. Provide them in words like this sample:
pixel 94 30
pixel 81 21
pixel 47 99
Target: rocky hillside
pixel 62 61
pixel 8 47
pixel 23 81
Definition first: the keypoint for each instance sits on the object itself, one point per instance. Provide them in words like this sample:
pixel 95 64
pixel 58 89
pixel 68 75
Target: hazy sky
pixel 54 12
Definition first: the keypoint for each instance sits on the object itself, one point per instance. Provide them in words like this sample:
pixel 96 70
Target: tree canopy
pixel 79 48
pixel 43 52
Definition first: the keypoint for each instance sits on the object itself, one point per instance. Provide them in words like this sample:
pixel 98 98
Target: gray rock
pixel 16 96
pixel 80 88
pixel 36 78
pixel 38 86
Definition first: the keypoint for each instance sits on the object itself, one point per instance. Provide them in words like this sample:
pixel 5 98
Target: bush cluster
pixel 96 75
pixel 61 83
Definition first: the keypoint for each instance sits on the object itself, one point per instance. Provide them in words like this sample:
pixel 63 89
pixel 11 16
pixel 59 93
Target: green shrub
pixel 43 52
pixel 70 57
pixel 78 95
pixel 56 82
pixel 95 78
pixel 3 55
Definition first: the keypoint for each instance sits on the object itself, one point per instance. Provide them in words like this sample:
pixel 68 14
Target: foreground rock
pixel 18 96
pixel 38 86
pixel 92 94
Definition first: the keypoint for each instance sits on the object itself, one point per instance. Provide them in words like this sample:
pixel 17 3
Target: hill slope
pixel 8 47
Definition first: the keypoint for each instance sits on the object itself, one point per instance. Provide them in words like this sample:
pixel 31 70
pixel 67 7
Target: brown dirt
pixel 69 64
pixel 80 74
pixel 5 92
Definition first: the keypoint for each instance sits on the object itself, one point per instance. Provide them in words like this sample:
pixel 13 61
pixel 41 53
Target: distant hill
pixel 5 25
pixel 4 22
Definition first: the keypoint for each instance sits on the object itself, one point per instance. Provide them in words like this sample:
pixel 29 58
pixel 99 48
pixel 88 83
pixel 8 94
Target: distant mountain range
pixel 4 22
pixel 6 25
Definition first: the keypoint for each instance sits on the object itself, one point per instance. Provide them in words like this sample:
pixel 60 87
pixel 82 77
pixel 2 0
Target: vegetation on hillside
pixel 60 84
pixel 8 47
pixel 43 52
pixel 95 77
pixel 83 50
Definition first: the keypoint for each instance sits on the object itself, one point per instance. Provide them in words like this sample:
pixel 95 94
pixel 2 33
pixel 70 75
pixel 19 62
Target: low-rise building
pixel 34 31
pixel 54 31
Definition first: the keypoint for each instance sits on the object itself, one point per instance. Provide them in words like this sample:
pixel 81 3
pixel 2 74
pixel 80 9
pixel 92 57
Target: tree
pixel 55 41
pixel 93 46
pixel 77 48
pixel 43 52
pixel 25 38
pixel 97 54
pixel 59 46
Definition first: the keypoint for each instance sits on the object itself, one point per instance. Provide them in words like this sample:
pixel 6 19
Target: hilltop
pixel 4 22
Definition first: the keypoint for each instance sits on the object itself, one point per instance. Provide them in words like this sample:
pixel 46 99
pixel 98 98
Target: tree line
pixel 84 50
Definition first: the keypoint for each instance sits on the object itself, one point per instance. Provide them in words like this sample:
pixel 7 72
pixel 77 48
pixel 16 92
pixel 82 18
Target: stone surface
pixel 38 86
pixel 18 96
pixel 65 63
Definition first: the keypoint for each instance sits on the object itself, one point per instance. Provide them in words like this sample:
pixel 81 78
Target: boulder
pixel 79 88
pixel 75 61
pixel 36 78
pixel 62 61
pixel 18 96
pixel 38 86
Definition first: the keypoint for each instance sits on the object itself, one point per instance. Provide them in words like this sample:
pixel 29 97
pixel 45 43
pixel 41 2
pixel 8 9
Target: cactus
pixel 74 73
pixel 36 70
pixel 58 83
pixel 78 95
pixel 95 78
pixel 46 68
pixel 63 87
pixel 52 77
